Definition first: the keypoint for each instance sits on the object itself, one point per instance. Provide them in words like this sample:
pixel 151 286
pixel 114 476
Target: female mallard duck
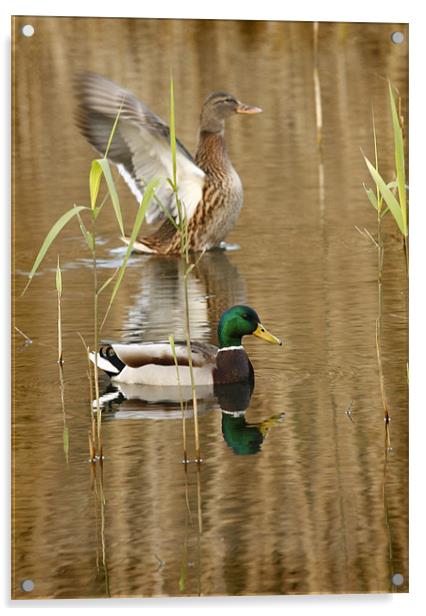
pixel 154 363
pixel 209 186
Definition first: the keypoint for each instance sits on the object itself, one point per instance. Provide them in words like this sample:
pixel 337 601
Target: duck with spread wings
pixel 209 187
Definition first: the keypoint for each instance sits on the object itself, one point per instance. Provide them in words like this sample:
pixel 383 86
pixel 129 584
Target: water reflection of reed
pixel 156 309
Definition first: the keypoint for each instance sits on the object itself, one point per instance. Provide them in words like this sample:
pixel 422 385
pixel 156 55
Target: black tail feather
pixel 108 353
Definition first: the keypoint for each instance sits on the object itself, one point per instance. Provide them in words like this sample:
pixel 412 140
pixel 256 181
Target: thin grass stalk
pixel 182 408
pixel 200 528
pixel 380 258
pixel 406 257
pixel 59 297
pixel 65 431
pixel 318 117
pixel 99 168
pixel 387 450
pixel 184 252
pixel 102 502
pixel 95 345
pixel 94 487
pixel 92 449
pixel 381 376
pixel 26 338
pixel 191 371
pixel 184 562
pixel 317 86
pixel 92 432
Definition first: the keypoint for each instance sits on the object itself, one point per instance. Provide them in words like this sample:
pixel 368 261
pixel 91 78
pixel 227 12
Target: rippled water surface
pixel 293 496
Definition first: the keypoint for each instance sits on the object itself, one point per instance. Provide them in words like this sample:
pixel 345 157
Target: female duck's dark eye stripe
pixel 225 100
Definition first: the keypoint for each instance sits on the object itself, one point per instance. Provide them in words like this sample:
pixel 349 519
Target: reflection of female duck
pixel 159 303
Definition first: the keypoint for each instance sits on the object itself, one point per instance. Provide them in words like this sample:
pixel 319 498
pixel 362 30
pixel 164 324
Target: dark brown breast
pixel 232 366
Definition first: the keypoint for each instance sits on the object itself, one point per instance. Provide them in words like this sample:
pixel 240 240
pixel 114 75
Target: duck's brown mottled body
pixel 219 208
pixel 208 186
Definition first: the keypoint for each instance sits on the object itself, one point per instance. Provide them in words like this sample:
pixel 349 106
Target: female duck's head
pixel 219 106
pixel 241 321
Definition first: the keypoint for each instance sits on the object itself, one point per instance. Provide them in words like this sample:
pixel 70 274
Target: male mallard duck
pixel 209 186
pixel 154 364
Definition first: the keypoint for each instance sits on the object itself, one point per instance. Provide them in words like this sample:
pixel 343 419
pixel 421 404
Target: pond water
pixel 299 493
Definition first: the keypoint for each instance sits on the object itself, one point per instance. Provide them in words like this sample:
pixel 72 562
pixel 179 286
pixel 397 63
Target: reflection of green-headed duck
pixel 245 438
pixel 154 363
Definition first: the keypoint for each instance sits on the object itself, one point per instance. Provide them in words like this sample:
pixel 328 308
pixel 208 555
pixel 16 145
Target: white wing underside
pixel 140 147
pixel 155 161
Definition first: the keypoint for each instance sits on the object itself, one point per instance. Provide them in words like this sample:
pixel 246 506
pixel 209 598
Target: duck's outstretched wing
pixel 160 354
pixel 140 147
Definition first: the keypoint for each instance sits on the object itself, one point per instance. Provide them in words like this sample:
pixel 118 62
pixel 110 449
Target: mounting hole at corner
pixel 397 38
pixel 397 579
pixel 28 30
pixel 27 585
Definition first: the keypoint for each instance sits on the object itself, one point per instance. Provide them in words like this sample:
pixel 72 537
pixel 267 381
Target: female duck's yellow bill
pixel 262 332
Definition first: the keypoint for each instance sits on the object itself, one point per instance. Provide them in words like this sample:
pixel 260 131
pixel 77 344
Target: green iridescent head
pixel 241 321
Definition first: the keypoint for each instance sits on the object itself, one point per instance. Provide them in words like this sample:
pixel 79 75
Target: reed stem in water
pixel 184 253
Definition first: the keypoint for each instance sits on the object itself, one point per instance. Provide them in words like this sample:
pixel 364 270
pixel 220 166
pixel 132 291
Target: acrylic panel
pixel 193 476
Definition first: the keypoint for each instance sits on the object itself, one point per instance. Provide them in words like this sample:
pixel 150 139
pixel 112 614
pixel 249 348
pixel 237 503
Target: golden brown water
pixel 311 510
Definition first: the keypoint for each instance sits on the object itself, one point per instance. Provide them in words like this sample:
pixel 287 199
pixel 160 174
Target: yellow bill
pixel 262 332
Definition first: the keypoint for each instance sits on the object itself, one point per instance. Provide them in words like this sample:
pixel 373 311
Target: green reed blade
pixel 146 201
pixel 50 237
pixel 107 282
pixel 103 165
pixel 371 196
pixel 86 233
pixel 114 128
pixel 173 130
pixel 388 196
pixel 95 176
pixel 399 159
pixel 98 209
pixel 379 199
